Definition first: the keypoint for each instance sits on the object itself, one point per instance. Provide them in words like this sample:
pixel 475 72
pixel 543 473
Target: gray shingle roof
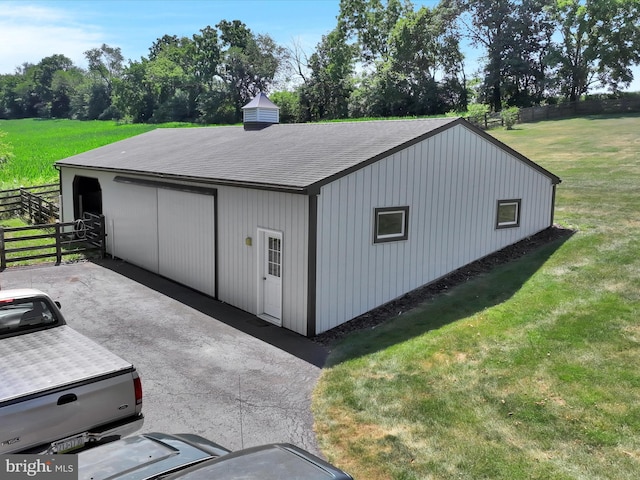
pixel 290 156
pixel 294 157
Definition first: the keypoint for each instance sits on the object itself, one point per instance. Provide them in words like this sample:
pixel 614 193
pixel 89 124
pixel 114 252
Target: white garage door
pixel 186 238
pixel 132 220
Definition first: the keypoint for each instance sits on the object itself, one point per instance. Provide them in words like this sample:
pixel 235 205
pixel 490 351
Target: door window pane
pixel 274 260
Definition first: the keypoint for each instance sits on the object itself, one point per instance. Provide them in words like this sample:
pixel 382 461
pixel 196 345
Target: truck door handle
pixel 68 398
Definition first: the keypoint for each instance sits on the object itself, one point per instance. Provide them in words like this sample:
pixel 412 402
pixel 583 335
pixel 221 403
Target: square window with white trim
pixel 508 215
pixel 391 224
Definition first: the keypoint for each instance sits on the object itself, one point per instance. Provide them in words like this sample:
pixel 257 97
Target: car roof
pixel 21 293
pixel 267 462
pixel 145 456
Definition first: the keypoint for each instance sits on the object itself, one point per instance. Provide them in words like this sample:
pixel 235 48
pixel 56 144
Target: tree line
pixel 383 58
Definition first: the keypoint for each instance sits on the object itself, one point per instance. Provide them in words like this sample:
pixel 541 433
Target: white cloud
pixel 29 33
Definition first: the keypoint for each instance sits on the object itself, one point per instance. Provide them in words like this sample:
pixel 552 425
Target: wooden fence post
pixel 3 255
pixel 58 244
pixel 40 216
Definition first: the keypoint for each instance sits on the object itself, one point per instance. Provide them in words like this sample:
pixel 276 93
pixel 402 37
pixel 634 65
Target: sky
pixel 31 30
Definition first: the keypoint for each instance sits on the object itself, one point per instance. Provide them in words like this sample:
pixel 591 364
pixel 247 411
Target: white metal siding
pixel 66 190
pixel 186 237
pixel 131 214
pixel 240 213
pixel 451 183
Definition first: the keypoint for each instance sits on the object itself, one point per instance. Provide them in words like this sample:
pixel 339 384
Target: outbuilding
pixel 309 225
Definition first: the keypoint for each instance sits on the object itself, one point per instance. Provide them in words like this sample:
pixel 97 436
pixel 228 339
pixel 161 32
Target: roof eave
pixel 297 189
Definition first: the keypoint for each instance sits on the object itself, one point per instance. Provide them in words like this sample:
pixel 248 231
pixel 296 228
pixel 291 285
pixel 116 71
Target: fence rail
pixel 38 203
pixel 622 105
pixel 582 108
pixel 79 237
pixel 486 121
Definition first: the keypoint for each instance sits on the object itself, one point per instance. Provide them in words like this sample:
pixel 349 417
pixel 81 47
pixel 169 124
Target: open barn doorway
pixel 87 196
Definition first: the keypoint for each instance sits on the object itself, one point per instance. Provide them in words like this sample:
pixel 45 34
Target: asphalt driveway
pixel 206 367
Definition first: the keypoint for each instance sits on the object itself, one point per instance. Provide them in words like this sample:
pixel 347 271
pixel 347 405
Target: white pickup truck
pixel 59 390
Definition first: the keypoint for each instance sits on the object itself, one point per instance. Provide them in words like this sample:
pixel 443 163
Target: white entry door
pixel 270 278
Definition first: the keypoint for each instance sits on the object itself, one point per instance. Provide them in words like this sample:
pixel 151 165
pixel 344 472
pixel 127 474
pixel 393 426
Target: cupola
pixel 260 113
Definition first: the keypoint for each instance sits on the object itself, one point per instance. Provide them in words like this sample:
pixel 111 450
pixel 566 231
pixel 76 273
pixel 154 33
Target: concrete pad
pixel 206 367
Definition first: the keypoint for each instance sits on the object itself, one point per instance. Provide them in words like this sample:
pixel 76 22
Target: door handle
pixel 68 398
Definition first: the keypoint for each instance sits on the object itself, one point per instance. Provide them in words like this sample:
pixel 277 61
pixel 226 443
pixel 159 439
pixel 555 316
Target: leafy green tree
pixel 64 85
pixel 165 87
pixel 371 22
pixel 106 63
pixel 206 59
pixel 10 101
pixel 164 76
pixel 515 36
pixel 164 44
pixel 27 92
pixel 489 28
pixel 170 75
pixel 90 101
pixel 289 104
pixel 248 64
pixel 51 103
pixel 132 93
pixel 527 78
pixel 94 96
pixel 325 94
pixel 426 62
pixel 600 42
pixel 509 117
pixel 215 105
pixel 27 97
pixel 415 65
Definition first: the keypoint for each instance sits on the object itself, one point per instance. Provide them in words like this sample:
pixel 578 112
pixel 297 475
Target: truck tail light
pixel 137 385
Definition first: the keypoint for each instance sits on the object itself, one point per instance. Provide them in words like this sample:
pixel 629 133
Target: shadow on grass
pixel 471 289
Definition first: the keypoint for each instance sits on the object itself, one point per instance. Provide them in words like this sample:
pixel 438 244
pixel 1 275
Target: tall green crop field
pixel 37 144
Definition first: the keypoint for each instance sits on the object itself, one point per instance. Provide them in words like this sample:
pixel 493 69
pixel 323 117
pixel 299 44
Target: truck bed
pixel 53 358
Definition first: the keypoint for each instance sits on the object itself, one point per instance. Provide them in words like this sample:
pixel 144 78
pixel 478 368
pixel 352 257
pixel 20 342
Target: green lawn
pixel 530 371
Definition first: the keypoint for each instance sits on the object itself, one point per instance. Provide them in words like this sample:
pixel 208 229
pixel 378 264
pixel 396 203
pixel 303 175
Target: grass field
pixel 530 371
pixel 37 144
